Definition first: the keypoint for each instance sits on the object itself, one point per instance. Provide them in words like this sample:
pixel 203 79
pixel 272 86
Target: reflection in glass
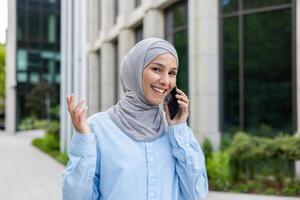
pixel 22 77
pixel 267 68
pixel 265 82
pixel 179 15
pixel 52 28
pixel 231 75
pixel 180 43
pixel 22 59
pixel 38 43
pixel 263 3
pixel 139 33
pixel 229 5
pixel 177 33
pixel 34 78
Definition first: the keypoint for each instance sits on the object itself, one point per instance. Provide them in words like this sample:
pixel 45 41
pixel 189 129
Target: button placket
pixel 152 176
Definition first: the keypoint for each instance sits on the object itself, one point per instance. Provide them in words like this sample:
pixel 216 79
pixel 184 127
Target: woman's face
pixel 159 78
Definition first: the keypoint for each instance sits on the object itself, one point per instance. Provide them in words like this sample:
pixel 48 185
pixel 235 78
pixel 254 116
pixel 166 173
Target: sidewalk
pixel 28 174
pixel 25 172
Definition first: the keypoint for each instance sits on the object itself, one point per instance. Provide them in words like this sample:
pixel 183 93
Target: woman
pixel 135 151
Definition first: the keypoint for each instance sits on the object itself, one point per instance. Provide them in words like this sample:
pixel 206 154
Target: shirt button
pixel 151 159
pixel 152 194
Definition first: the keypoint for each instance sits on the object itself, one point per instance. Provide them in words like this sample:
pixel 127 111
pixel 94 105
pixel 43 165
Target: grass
pixel 50 145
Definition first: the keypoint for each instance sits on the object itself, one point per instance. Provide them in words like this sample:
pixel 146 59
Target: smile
pixel 158 90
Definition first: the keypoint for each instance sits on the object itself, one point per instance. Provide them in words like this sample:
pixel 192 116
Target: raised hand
pixel 78 115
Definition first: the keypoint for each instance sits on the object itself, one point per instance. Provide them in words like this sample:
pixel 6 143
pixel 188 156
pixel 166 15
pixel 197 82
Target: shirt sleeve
pixel 81 176
pixel 190 162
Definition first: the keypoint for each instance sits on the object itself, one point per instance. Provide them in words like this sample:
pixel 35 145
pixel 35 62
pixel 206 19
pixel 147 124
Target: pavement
pixel 26 173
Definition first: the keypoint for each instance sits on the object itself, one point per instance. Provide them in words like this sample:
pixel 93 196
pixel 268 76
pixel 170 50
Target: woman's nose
pixel 164 79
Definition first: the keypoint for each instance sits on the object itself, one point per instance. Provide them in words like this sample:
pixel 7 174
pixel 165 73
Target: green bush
pixel 246 147
pixel 47 144
pixel 240 187
pixel 225 142
pixel 218 170
pixel 207 148
pixel 50 145
pixel 51 127
pixel 248 152
pixel 270 191
pixel 28 123
pixel 292 189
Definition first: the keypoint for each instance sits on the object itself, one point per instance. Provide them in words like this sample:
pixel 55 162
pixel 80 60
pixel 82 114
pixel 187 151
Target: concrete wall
pixel 10 101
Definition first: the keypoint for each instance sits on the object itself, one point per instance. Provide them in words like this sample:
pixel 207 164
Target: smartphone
pixel 172 103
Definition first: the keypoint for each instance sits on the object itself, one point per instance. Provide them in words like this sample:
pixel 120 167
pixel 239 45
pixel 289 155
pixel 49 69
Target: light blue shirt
pixel 109 165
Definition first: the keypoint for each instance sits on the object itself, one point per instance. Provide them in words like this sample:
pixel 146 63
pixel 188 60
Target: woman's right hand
pixel 78 115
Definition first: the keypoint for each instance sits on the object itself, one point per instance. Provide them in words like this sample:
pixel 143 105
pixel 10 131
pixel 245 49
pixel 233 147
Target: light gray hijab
pixel 133 114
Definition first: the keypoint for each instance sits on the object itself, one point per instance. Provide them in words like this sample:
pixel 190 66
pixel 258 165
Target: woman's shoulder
pixel 101 123
pixel 98 117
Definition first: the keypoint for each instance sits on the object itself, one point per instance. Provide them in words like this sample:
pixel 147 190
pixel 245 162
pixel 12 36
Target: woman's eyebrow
pixel 163 66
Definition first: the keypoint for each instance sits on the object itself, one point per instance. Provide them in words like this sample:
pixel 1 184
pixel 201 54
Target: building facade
pixel 238 59
pixel 33 60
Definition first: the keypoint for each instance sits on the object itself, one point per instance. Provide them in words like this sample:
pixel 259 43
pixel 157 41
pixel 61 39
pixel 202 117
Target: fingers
pixel 77 112
pixel 78 106
pixel 182 97
pixel 82 114
pixel 181 92
pixel 70 102
pixel 166 109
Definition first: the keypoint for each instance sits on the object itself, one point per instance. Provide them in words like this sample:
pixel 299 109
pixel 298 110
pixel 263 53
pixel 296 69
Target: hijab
pixel 133 114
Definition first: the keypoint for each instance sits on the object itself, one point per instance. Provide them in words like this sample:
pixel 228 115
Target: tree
pixel 38 100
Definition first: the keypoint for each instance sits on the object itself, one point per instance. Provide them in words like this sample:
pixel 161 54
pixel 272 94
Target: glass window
pixel 231 75
pixel 21 3
pixel 34 78
pixel 248 4
pixel 180 43
pixel 22 59
pixel 47 55
pixel 57 78
pixel 52 28
pixel 229 5
pixel 34 28
pixel 177 33
pixel 179 16
pixel 34 59
pixel 22 77
pixel 21 22
pixel 257 85
pixel 34 4
pixel 139 32
pixel 38 41
pixel 267 70
pixel 51 69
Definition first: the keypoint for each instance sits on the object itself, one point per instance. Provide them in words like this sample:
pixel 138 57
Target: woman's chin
pixel 156 102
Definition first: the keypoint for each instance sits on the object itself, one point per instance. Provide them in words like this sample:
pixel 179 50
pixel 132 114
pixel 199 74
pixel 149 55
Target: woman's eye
pixel 156 69
pixel 172 73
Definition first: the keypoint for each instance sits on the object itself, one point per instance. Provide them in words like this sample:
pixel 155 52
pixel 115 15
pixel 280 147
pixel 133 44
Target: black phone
pixel 172 103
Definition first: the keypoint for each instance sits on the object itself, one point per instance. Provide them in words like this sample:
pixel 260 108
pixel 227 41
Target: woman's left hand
pixel 183 112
